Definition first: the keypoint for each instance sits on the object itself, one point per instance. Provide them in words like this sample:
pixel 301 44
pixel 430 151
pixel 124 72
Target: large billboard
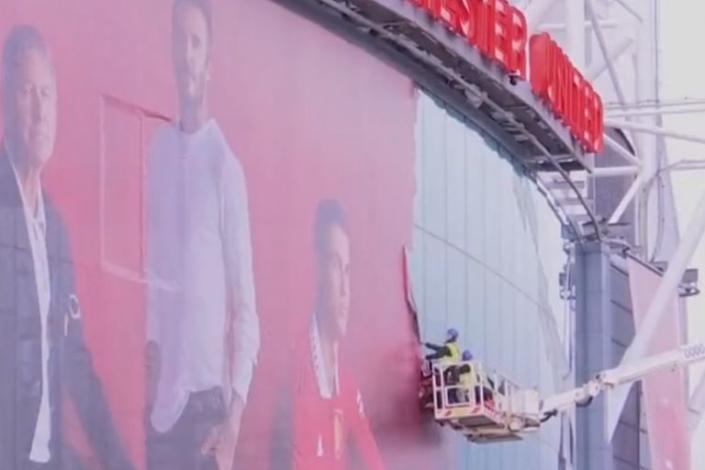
pixel 204 212
pixel 203 209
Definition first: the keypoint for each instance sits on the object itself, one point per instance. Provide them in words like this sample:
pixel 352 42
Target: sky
pixel 683 75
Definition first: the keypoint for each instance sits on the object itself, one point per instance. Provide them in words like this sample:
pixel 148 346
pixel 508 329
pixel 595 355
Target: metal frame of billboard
pixel 447 65
pixel 464 81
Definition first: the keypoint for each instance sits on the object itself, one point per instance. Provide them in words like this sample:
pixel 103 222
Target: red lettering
pixel 434 7
pixel 468 24
pixel 567 88
pixel 577 104
pixel 589 116
pixel 560 83
pixel 518 37
pixel 556 80
pixel 495 27
pixel 502 34
pixel 598 143
pixel 450 13
pixel 483 19
pixel 540 59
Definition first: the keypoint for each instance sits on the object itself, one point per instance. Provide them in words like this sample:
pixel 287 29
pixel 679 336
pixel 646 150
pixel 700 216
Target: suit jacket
pixel 70 368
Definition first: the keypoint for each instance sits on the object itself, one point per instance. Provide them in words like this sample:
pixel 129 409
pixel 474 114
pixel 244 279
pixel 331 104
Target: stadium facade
pixel 461 148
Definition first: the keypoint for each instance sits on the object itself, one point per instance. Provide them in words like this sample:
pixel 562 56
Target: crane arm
pixel 623 374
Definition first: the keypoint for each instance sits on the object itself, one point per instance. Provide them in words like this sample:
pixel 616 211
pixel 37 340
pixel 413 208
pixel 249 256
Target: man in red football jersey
pixel 329 418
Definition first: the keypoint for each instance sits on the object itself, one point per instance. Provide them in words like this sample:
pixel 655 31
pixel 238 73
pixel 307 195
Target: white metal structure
pixel 487 407
pixel 616 44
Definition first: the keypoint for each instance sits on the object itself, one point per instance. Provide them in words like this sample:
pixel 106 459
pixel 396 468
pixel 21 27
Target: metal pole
pixel 600 64
pixel 697 404
pixel 656 103
pixel 603 47
pixel 667 289
pixel 609 171
pixel 654 130
pixel 575 23
pixel 687 165
pixel 621 151
pixel 536 12
pixel 605 24
pixel 654 112
pixel 626 200
pixel 647 144
pixel 631 10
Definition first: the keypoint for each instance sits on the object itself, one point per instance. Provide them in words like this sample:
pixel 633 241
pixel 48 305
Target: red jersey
pixel 328 418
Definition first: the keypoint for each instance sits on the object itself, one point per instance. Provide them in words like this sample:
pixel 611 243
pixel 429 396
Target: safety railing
pixel 464 387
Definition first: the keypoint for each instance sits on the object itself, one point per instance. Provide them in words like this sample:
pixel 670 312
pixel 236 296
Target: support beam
pixel 661 104
pixel 599 65
pixel 605 53
pixel 626 200
pixel 605 24
pixel 630 9
pixel 667 289
pixel 621 151
pixel 609 171
pixel 575 19
pixel 653 112
pixel 697 406
pixel 536 12
pixel 687 165
pixel 654 130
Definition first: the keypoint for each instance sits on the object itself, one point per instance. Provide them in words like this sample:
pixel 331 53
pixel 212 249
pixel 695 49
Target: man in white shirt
pixel 42 350
pixel 203 331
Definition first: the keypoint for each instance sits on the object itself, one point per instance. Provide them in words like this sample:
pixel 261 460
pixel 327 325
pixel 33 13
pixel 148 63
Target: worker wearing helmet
pixel 466 378
pixel 446 354
pixel 449 351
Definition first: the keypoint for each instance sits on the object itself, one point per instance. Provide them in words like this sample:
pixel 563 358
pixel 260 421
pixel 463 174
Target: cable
pixel 549 415
pixel 553 413
pixel 586 403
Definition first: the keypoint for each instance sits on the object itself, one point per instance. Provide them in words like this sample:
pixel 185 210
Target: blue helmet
pixel 452 334
pixel 467 355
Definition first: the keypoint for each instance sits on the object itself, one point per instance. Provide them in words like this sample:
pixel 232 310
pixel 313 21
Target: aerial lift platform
pixel 487 407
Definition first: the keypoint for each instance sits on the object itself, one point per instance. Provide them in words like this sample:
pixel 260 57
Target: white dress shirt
pixel 327 388
pixel 36 230
pixel 199 269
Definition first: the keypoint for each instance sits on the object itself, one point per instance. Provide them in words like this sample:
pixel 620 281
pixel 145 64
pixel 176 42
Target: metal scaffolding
pixel 621 37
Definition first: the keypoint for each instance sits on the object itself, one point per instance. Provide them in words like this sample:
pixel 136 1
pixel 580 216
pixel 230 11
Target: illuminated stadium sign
pixel 499 31
pixel 494 27
pixel 555 79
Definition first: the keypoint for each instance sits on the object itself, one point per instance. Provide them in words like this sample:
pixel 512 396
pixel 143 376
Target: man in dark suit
pixel 43 355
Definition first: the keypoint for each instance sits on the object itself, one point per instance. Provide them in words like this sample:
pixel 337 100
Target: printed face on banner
pixel 335 279
pixel 191 44
pixel 195 245
pixel 30 105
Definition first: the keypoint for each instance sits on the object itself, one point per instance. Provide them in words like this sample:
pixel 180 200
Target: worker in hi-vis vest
pixel 449 351
pixel 446 354
pixel 466 379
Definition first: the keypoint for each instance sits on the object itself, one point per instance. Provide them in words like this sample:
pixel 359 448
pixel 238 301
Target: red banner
pixel 228 200
pixel 664 392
